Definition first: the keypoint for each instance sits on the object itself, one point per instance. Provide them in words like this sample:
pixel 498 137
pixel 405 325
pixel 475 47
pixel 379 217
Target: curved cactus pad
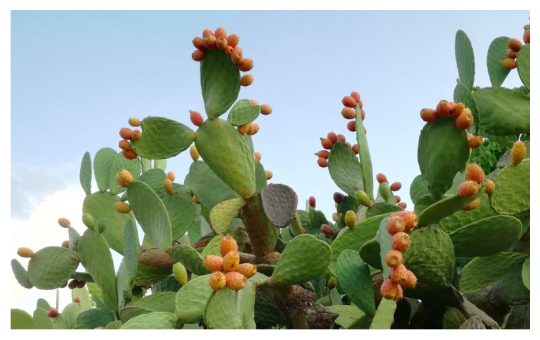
pixel 153 178
pixel 483 271
pixel 191 299
pixel 154 320
pixel 227 309
pixel 190 258
pixel 182 211
pixel 162 138
pixel 384 317
pixel 462 218
pixel 41 320
pixel 21 274
pixel 158 302
pixel 303 258
pixel 381 209
pixel 260 176
pixel 465 59
pixel 279 204
pixel 20 319
pixel 51 267
pixel 223 213
pixel 345 169
pixel 121 162
pixel 419 187
pixel 355 280
pixel 523 63
pixel 487 236
pixel 243 112
pixel 371 253
pixel 497 52
pixel 363 153
pixel 438 162
pixel 350 317
pixel 131 249
pixel 85 174
pixel 526 273
pixel 93 318
pixel 512 193
pixel 102 167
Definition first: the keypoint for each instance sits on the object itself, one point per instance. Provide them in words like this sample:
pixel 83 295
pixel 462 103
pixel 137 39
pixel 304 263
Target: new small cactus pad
pixel 391 290
pixel 350 219
pixel 217 281
pixel 235 280
pixel 400 241
pixel 247 269
pixel 231 261
pixel 363 198
pixel 518 152
pixel 180 273
pixel 213 263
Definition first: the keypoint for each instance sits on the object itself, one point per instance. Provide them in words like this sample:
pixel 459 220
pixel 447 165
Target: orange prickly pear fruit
pixel 221 43
pixel 136 135
pixel 236 56
pixel 443 109
pixel 356 96
pixel 511 53
pixel 350 219
pixel 508 63
pixel 247 269
pixel 410 218
pixel 207 32
pixel 171 176
pixel 514 44
pixel 348 113
pixel 253 102
pixel 326 143
pixel 381 178
pixel 253 129
pixel 52 312
pixel 122 207
pixel 233 40
pixel 229 50
pixel 323 154
pixel 395 224
pixel 220 33
pixel 195 200
pixel 196 118
pixel 348 101
pixel 198 55
pixel 312 201
pixel 210 41
pixel 354 148
pixel 126 133
pixel 327 230
pixel 235 280
pixel 25 252
pixel 124 178
pixel 257 156
pixel 402 205
pixel 63 222
pixel 398 198
pixel 351 126
pixel 129 154
pixel 65 244
pixel 246 80
pixel 490 187
pixel 217 281
pixel 341 138
pixel 266 109
pixel 213 263
pixel 244 128
pixel 227 244
pixel 135 122
pixel 124 144
pixel 473 205
pixel 391 290
pixel 411 280
pixel 167 186
pixel 393 258
pixel 473 172
pixel 231 261
pixel 245 64
pixel 269 174
pixel 194 153
pixel 198 42
pixel 458 110
pixel 332 136
pixel 527 36
pixel 400 241
pixel 465 119
pixel 428 115
pixel 395 186
pixel 474 141
pixel 323 162
pixel 519 149
pixel 451 107
pixel 467 189
pixel 398 274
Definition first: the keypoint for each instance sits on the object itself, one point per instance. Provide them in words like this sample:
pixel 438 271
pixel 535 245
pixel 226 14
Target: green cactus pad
pixel 227 154
pixel 221 312
pixel 182 211
pixel 119 163
pixel 431 257
pixel 70 313
pixel 131 249
pixel 418 188
pixel 154 320
pixel 158 302
pixel 350 317
pixel 345 169
pixel 42 320
pixel 168 284
pixel 260 176
pixel 20 319
pixel 438 162
pixel 151 214
pixel 385 243
pixel 153 178
pixel 101 206
pixel 128 313
pixel 384 317
pixel 93 318
pixel 243 112
pixel 355 281
pixel 523 63
pixel 220 82
pixel 212 248
pixel 497 52
pixel 452 318
pixel 117 324
pixel 191 299
pixel 487 236
pixel 223 213
pixel 526 273
pixel 146 164
pixel 363 153
pixel 462 218
pixel 423 203
pixel 279 204
pixel 43 304
pixel 85 174
pixel 456 182
pixel 96 257
pixel 160 164
pixel 156 142
pixel 503 111
pixel 21 274
pixel 294 267
pixel 73 238
pixel 510 290
pixel 512 193
pixel 102 167
pixel 370 252
pixel 382 209
pixel 464 59
pixel 152 266
pixel 51 267
pixel 462 94
pixel 483 271
pixel 316 218
pixel 190 258
pixel 83 295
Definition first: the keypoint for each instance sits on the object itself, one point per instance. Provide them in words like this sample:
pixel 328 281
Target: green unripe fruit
pixel 180 273
pixel 88 220
pixel 385 192
pixel 363 198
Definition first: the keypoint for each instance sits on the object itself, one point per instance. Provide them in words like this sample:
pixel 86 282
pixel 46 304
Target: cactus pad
pixel 523 63
pixel 20 319
pixel 419 188
pixel 526 273
pixel 42 320
pixel 497 52
pixel 21 274
pixel 350 317
pixel 243 112
pixel 154 320
pixel 158 302
pixel 181 210
pixel 93 318
pixel 513 187
pixel 85 174
pixel 131 249
pixel 345 169
pixel 363 153
pixel 223 213
pixel 355 281
pixel 190 258
pixel 51 267
pixel 191 299
pixel 279 204
pixel 102 167
pixel 384 317
pixel 464 59
pixel 462 218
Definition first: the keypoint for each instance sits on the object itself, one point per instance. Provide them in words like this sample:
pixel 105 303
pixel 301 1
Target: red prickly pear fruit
pixel 508 63
pixel 245 64
pixel 398 198
pixel 473 205
pixel 395 225
pixel 312 201
pixel 360 104
pixel 341 138
pixel 247 269
pixel 514 44
pixel 136 135
pixel 198 55
pixel 122 207
pixel 303 230
pixel 363 198
pixel 458 110
pixel 465 120
pixel 327 230
pixel 25 252
pixel 73 284
pixel 213 263
pixel 411 280
pixel 126 133
pixel 195 200
pixel 395 186
pixel 233 40
pixel 393 258
pixel 227 244
pixel 410 218
pixel 400 241
pixel 490 187
pixel 348 113
pixel 207 32
pixel 210 41
pixel 196 118
pixel 467 189
pixel 391 290
pixel 398 274
pixel 323 162
pixel 277 255
pixel 78 299
pixel 473 172
pixel 527 36
pixel 443 109
pixel 237 55
pixel 519 149
pixel 246 80
pixel 198 42
pixel 217 281
pixel 124 178
pixel 235 280
pixel 356 96
pixel 171 176
pixel 64 222
pixel 402 205
pixel 323 154
pixel 257 156
pixel 229 50
pixel 326 143
pixel 350 219
pixel 135 122
pixel 474 141
pixel 194 153
pixel 332 136
pixel 428 115
pixel 381 178
pixel 65 244
pixel 348 101
pixel 167 186
pixel 338 197
pixel 52 312
pixel 452 108
pixel 354 148
pixel 351 126
pixel 221 43
pixel 254 128
pixel 269 174
pixel 124 144
pixel 220 33
pixel 129 154
pixel 363 114
pixel 511 53
pixel 266 109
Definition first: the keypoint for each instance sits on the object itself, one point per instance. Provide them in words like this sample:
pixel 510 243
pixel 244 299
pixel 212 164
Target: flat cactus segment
pixel 102 167
pixel 42 304
pixel 384 317
pixel 496 52
pixel 158 302
pixel 131 249
pixel 128 313
pixel 83 295
pixel 483 271
pixel 260 177
pixel 363 153
pixel 419 187
pixel 279 203
pixel 452 318
pixel 431 257
pixel 191 299
pixel 96 257
pixel 462 218
pixel 94 318
pixel 73 239
pixel 221 312
pixel 70 313
pixel 523 63
pixel 423 203
pixel 212 248
pixel 190 258
pixel 345 169
pixel 21 274
pixel 116 324
pixel 503 111
pixel 160 164
pixel 512 193
pixel 146 164
pixel 85 174
pixel 51 267
pixel 316 218
pixel 487 236
pixel 20 319
pixel 156 142
pixel 510 289
pixel 151 214
pixel 526 273
pixel 355 281
pixel 152 266
pixel 350 317
pixel 246 305
pixel 42 320
pixel 153 178
pixel 182 211
pixel 154 320
pixel 464 59
pixel 168 284
pixel 223 213
pixel 243 112
pixel 439 163
pixel 260 229
pixel 304 258
pixel 381 209
pixel 101 206
pixel 120 162
pixel 220 82
pixel 370 252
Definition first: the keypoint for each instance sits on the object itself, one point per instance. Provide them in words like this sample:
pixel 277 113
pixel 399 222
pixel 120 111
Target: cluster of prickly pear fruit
pixel 463 115
pixel 514 46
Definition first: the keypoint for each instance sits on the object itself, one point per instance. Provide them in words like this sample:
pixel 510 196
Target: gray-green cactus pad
pixel 462 218
pixel 512 193
pixel 190 258
pixel 345 169
pixel 243 112
pixel 497 52
pixel 191 299
pixel 464 59
pixel 355 281
pixel 523 63
pixel 154 320
pixel 279 204
pixel 51 267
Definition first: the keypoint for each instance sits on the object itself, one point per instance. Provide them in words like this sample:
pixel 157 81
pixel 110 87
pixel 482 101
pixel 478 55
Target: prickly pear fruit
pixel 246 80
pixel 511 53
pixel 129 154
pixel 198 42
pixel 391 290
pixel 124 144
pixel 338 197
pixel 356 96
pixel 77 299
pixel 171 176
pixel 393 258
pixel 348 113
pixel 411 280
pixel 122 207
pixel 527 36
pixel 63 222
pixel 136 135
pixel 167 186
pixel 236 56
pixel 220 33
pixel 233 40
pixel 518 152
pixel 354 148
pixel 243 129
pixel 207 32
pixel 402 205
pixel 381 178
pixel 398 274
pixel 180 273
pixel 363 198
pixel 332 282
pixel 235 280
pixel 196 118
pixel 231 261
pixel 458 110
pixel 253 102
pixel 257 156
pixel 73 284
pixel 335 217
pixel 341 138
pixel 508 63
pixel 303 230
pixel 213 263
pixel 332 137
pixel 323 162
pixel 194 153
pixel 395 224
pixel 126 133
pixel 490 187
pixel 351 126
pixel 473 205
pixel 395 186
pixel 25 252
pixel 227 244
pixel 350 219
pixel 266 109
pixel 398 198
pixel 410 218
pixel 400 241
pixel 428 115
pixel 514 44
pixel 135 122
pixel 327 230
pixel 65 244
pixel 443 109
pixel 326 143
pixel 247 269
pixel 348 101
pixel 269 174
pixel 323 154
pixel 277 255
pixel 124 178
pixel 81 284
pixel 210 41
pixel 474 141
pixel 52 312
pixel 473 172
pixel 245 64
pixel 467 189
pixel 312 201
pixel 221 43
pixel 88 220
pixel 229 50
pixel 217 281
pixel 465 119
pixel 195 200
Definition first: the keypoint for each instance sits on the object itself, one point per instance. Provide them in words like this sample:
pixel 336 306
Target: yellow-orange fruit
pixel 210 41
pixel 400 241
pixel 398 274
pixel 213 263
pixel 490 187
pixel 229 50
pixel 220 33
pixel 410 218
pixel 167 185
pixel 198 42
pixel 136 135
pixel 467 189
pixel 443 109
pixel 64 222
pixel 171 176
pixel 475 141
pixel 395 224
pixel 253 102
pixel 411 280
pixel 65 244
pixel 129 154
pixel 221 43
pixel 393 258
pixel 233 40
pixel 391 290
pixel 247 269
pixel 227 244
pixel 266 109
pixel 256 128
pixel 135 122
pixel 244 128
pixel 122 207
pixel 428 115
pixel 269 174
pixel 348 113
pixel 231 261
pixel 473 172
pixel 246 80
pixel 519 149
pixel 514 44
pixel 126 133
pixel 207 32
pixel 245 64
pixel 465 119
pixel 217 281
pixel 257 156
pixel 348 101
pixel 508 63
pixel 25 252
pixel 253 129
pixel 473 205
pixel 458 110
pixel 350 219
pixel 194 153
pixel 124 144
pixel 236 56
pixel 235 280
pixel 124 178
pixel 198 55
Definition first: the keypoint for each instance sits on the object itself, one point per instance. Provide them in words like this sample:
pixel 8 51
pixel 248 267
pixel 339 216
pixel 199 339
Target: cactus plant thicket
pixel 459 259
